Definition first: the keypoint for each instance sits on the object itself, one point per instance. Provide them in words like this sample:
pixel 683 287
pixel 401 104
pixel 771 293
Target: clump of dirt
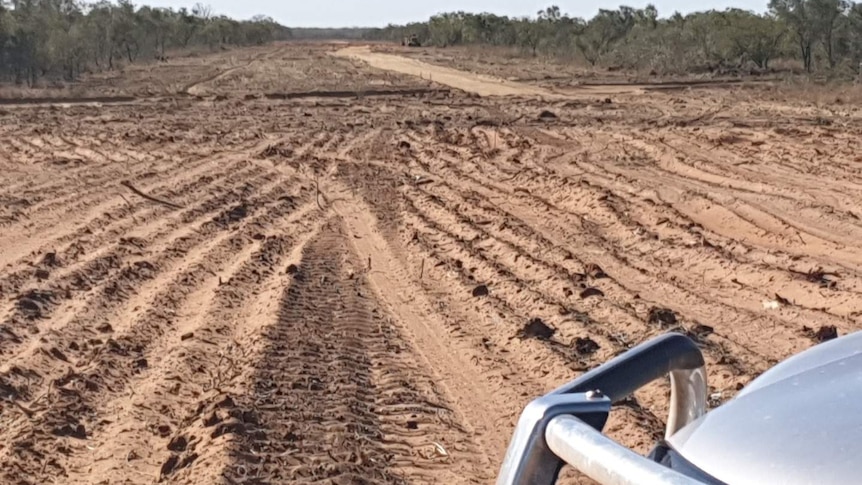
pixel 235 214
pixel 699 332
pixel 78 431
pixel 275 151
pixel 238 213
pixel 536 328
pixel 585 346
pixel 547 115
pixel 596 272
pixel 662 317
pixel 36 303
pixel 590 292
pixel 178 444
pixel 823 334
pixel 50 259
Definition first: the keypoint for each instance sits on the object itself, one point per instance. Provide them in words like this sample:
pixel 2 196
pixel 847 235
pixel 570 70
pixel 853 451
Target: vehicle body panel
pixel 799 423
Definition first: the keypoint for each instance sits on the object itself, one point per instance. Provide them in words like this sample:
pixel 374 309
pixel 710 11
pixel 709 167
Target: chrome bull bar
pixel 565 426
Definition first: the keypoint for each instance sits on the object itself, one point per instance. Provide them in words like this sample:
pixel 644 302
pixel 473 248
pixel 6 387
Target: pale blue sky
pixel 374 13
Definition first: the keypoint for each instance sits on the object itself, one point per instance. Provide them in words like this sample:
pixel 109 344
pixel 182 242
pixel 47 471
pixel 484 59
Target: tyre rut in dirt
pixel 104 368
pixel 336 395
pixel 44 300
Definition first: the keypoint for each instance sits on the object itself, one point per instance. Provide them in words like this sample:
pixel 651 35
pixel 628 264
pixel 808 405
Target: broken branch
pixel 150 197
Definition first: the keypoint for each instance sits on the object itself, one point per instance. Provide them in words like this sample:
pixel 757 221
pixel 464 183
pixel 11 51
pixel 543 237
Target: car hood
pixel 798 423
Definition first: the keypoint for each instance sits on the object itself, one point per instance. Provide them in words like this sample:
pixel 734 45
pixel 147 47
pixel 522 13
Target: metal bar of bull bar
pixel 604 460
pixel 530 459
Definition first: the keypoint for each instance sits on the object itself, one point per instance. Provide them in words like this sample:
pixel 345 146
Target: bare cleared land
pixel 284 265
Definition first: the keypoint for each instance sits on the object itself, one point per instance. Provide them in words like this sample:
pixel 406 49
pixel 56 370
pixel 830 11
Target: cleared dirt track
pixel 296 267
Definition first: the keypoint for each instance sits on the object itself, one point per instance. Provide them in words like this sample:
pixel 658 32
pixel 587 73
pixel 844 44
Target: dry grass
pixel 56 90
pixel 306 69
pixel 805 91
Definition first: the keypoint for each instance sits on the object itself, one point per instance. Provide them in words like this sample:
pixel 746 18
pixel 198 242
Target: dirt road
pixel 465 81
pixel 365 276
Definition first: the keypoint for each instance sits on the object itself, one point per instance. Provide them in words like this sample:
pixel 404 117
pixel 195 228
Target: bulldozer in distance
pixel 411 41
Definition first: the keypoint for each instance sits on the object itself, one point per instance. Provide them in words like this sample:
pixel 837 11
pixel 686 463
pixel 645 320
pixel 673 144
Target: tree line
pixel 824 35
pixel 60 39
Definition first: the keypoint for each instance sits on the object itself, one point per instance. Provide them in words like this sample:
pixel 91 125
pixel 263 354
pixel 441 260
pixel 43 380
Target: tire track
pixel 372 405
pixel 105 276
pixel 66 276
pixel 750 266
pixel 612 265
pixel 450 276
pixel 108 367
pixel 221 321
pixel 91 210
pixel 574 202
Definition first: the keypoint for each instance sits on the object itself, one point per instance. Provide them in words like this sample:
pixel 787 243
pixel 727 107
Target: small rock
pixel 42 274
pixel 547 115
pixel 412 425
pixel 164 430
pixel 226 403
pixel 591 292
pixel 50 259
pixel 292 269
pixel 538 329
pixel 105 328
pixel 186 336
pixel 481 290
pixel 57 354
pixel 596 272
pixel 78 431
pixel 178 444
pixel 170 465
pixel 238 213
pixel 231 426
pixel 770 305
pixel 662 316
pixel 700 332
pixel 586 346
pixel 825 333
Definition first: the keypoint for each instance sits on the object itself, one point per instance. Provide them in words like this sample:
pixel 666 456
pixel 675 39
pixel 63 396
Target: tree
pixel 824 15
pixel 753 37
pixel 606 28
pixel 638 39
pixel 796 14
pixel 529 34
pixel 59 39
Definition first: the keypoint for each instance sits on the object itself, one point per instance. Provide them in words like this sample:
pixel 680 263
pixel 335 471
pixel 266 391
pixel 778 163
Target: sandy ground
pixel 354 275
